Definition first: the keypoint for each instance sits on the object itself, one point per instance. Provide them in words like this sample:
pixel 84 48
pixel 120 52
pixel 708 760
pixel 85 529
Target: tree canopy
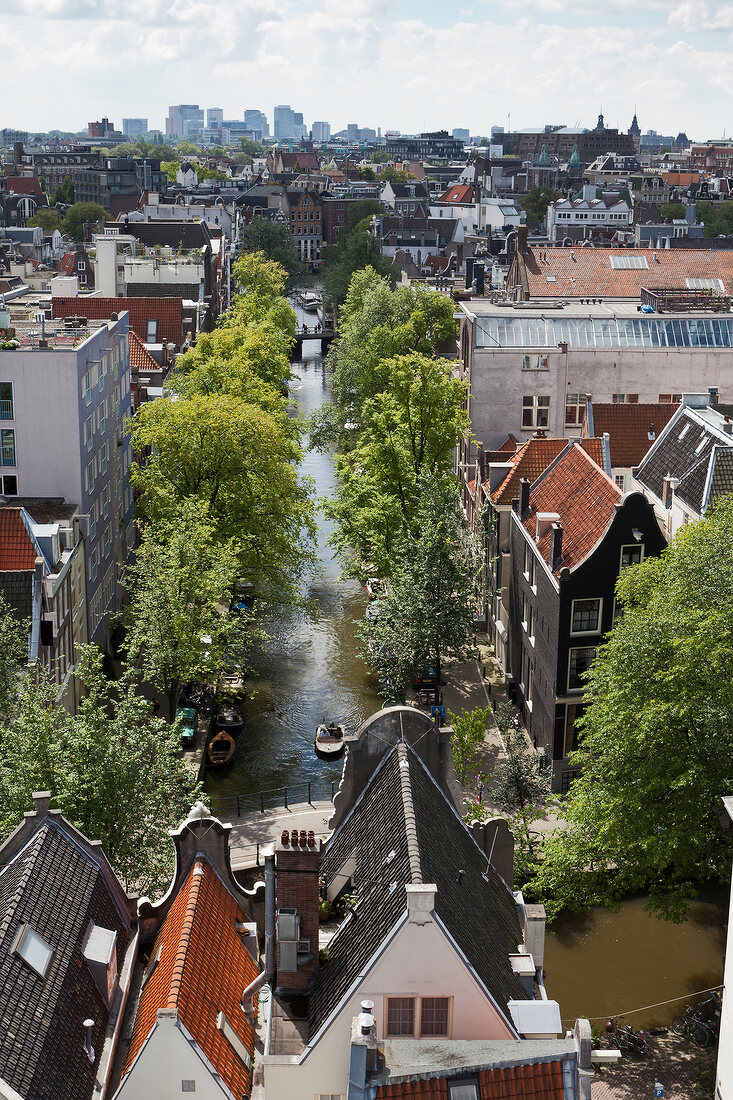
pixel 356 249
pixel 46 219
pixel 276 243
pixel 656 745
pixel 80 213
pixel 536 201
pixel 64 193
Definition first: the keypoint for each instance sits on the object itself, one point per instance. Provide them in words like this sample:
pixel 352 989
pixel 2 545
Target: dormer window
pixel 100 953
pixel 33 950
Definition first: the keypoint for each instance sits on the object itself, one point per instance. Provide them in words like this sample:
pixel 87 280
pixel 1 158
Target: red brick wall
pixel 296 887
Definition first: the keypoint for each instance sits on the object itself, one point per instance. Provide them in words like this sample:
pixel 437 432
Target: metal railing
pixel 306 793
pixel 6 410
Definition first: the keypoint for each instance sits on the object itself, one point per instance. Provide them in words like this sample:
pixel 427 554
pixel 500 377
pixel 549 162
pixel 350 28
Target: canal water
pixel 309 668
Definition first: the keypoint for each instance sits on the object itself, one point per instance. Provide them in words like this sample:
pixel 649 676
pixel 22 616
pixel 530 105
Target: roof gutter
pixel 268 974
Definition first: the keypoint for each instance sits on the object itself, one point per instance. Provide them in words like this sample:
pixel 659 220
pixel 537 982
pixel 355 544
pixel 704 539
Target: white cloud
pixel 701 15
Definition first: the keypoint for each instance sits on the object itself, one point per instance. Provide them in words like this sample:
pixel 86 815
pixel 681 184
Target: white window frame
pixel 631 546
pixel 539 414
pixel 535 362
pixel 586 599
pixel 575 649
pixel 620 480
pixel 578 407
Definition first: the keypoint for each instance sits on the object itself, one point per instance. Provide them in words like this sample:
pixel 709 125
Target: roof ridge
pixel 196 875
pixel 413 847
pixel 35 844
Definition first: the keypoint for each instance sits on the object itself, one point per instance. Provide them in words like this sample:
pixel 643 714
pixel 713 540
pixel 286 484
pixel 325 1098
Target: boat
pixel 310 300
pixel 376 588
pixel 220 749
pixel 231 683
pixel 187 716
pixel 329 739
pixel 229 719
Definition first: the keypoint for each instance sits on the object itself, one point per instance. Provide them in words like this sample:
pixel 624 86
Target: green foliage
pixel 657 739
pixel 186 148
pixel 718 219
pixel 64 193
pixel 672 210
pixel 276 243
pixel 361 209
pixel 357 248
pixel 113 770
pixel 13 656
pixel 430 608
pixel 469 728
pixel 46 219
pixel 536 201
pixel 80 213
pixel 181 572
pixel 205 173
pixel 380 156
pixel 170 167
pixel 367 174
pixel 395 175
pixel 252 148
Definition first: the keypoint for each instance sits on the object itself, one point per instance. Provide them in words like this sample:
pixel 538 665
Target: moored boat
pixel 188 718
pixel 329 739
pixel 231 683
pixel 220 749
pixel 310 300
pixel 229 719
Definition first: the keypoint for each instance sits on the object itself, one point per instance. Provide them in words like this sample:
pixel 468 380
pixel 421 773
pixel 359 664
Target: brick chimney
pixel 555 545
pixel 522 233
pixel 523 497
pixel 297 859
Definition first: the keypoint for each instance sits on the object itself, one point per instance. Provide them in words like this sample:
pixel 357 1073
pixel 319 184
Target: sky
pixel 407 65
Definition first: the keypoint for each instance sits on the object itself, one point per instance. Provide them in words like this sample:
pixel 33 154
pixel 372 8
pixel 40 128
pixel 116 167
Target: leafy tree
pixel 276 243
pixel 170 167
pixel 13 656
pixel 367 174
pixel 252 148
pixel 46 219
pixel 522 788
pixel 380 156
pixel 536 201
pixel 672 210
pixel 64 193
pixel 181 573
pixel 80 213
pixel 657 740
pixel 186 148
pixel 112 769
pixel 205 173
pixel 430 609
pixel 469 731
pixel 356 249
pixel 361 209
pixel 395 175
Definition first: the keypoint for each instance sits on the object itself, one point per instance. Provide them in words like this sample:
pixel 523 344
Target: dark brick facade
pixel 296 887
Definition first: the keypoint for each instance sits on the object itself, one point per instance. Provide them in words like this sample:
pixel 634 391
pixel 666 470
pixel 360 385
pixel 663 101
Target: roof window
pixel 705 284
pixel 33 950
pixel 628 263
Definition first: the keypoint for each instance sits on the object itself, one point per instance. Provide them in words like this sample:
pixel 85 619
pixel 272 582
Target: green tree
pixel 521 790
pixel 469 731
pixel 170 167
pixel 112 769
pixel 186 148
pixel 180 575
pixel 252 148
pixel 204 173
pixel 64 193
pixel 361 209
pixel 274 240
pixel 46 219
pixel 429 612
pixel 380 156
pixel 395 175
pixel 656 747
pixel 356 249
pixel 672 210
pixel 367 174
pixel 536 201
pixel 80 213
pixel 13 656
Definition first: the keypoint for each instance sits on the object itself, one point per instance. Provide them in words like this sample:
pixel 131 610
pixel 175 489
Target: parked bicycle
pixel 627 1040
pixel 693 1025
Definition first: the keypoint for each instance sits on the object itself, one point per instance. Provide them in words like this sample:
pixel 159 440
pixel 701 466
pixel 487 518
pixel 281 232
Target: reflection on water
pixel 309 668
pixel 602 963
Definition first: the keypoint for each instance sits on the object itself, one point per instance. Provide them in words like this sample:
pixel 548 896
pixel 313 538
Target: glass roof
pixel 604 332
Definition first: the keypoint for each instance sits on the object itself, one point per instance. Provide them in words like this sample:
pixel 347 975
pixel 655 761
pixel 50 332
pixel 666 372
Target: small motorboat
pixel 229 719
pixel 220 749
pixel 187 716
pixel 309 300
pixel 329 739
pixel 231 683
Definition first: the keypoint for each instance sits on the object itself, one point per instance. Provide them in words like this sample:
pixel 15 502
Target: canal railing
pixel 305 793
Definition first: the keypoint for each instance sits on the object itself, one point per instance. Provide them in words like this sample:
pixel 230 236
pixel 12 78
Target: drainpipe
pixel 268 974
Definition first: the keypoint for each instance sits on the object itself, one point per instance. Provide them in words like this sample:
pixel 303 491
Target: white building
pixel 581 218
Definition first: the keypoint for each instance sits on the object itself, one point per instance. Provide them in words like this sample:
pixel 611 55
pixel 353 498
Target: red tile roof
pixel 140 357
pixel 588 271
pixel 628 428
pixel 17 552
pixel 203 969
pixel 577 489
pixel 510 443
pixel 460 193
pixel 541 1081
pixel 531 460
pixel 66 263
pixel 168 312
pixel 23 185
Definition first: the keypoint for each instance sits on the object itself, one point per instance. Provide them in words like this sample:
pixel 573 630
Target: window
pixel 620 480
pixel 529 564
pixel 632 555
pixel 188 1086
pixel 705 284
pixel 625 398
pixel 670 398
pixel 81 265
pixel 528 617
pixel 580 662
pixel 400 1016
pixel 573 712
pixel 151 333
pixel 434 1016
pixel 566 780
pixel 536 362
pixel 6 400
pixel 32 949
pixel 626 263
pixel 574 409
pixel 535 411
pixel 7 447
pixel 586 617
pixel 466 1090
pixel 10 486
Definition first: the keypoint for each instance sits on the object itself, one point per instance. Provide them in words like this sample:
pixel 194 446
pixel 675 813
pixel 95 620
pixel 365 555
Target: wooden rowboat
pixel 220 749
pixel 329 739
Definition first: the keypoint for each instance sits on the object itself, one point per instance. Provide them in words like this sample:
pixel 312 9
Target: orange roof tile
pixel 628 428
pixel 433 1088
pixel 588 271
pixel 530 460
pixel 168 312
pixel 459 193
pixel 542 1081
pixel 203 969
pixel 17 552
pixel 680 179
pixel 578 490
pixel 140 357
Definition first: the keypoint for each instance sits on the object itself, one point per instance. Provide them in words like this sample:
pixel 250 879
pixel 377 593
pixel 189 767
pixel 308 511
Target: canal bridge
pixel 302 335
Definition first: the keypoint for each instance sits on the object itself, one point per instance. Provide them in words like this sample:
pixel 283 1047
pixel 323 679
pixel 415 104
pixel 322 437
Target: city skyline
pixel 388 63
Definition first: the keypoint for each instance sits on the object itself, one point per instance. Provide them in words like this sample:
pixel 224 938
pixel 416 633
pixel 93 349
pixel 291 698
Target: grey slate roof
pixel 721 474
pixel 54 886
pixel 403 830
pixel 183 234
pixel 683 451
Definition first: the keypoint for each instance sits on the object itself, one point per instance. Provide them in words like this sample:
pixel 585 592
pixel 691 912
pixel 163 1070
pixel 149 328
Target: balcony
pixel 6 410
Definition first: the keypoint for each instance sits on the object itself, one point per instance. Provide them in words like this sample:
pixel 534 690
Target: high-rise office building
pixel 134 127
pixel 461 135
pixel 214 116
pixel 288 124
pixel 257 120
pixel 183 119
pixel 321 131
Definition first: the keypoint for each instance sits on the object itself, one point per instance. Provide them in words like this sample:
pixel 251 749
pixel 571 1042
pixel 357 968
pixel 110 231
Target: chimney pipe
pixel 88 1048
pixel 523 497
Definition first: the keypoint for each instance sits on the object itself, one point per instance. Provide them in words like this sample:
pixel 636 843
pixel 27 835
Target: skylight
pixel 705 284
pixel 629 263
pixel 33 950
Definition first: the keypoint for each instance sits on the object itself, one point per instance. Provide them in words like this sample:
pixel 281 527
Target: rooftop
pixel 530 460
pixel 632 428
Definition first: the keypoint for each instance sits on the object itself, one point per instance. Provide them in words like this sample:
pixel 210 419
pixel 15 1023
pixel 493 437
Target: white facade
pixel 587 214
pixel 169 1058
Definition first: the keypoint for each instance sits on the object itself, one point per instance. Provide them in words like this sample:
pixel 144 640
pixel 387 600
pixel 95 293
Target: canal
pixel 309 668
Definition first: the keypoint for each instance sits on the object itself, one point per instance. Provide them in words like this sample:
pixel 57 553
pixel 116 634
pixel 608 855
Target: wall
pixel 166 1061
pixel 400 971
